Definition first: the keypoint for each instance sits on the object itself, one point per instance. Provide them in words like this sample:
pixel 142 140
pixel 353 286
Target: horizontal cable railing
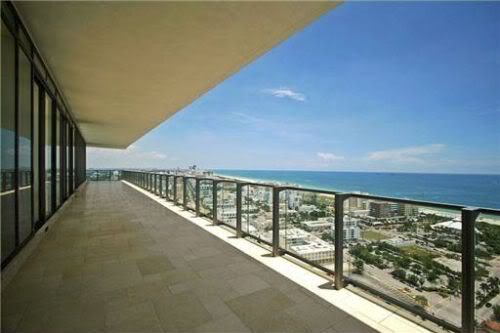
pixel 438 261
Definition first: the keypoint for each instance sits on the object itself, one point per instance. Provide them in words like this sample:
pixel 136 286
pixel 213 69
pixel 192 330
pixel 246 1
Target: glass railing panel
pixel 487 265
pixel 103 175
pixel 257 212
pixel 191 193
pixel 163 186
pixel 170 192
pixel 206 198
pixel 307 226
pixel 406 252
pixel 226 203
pixel 180 190
pixel 157 184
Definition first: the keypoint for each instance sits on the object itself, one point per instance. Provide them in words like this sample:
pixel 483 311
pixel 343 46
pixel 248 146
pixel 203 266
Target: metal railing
pixel 422 256
pixel 103 175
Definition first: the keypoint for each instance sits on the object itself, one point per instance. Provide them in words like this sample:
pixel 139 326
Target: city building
pixel 453 226
pixel 352 230
pixel 321 224
pixel 385 209
pixel 382 209
pixel 307 245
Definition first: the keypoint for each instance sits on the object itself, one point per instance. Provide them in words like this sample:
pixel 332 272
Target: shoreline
pixel 429 210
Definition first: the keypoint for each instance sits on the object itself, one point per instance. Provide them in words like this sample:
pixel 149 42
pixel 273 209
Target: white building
pixel 307 245
pixel 352 231
pixel 454 226
pixel 322 224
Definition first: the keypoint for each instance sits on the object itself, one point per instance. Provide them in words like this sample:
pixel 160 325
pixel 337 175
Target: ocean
pixel 470 190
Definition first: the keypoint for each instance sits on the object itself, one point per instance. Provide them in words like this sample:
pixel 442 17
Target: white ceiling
pixel 125 67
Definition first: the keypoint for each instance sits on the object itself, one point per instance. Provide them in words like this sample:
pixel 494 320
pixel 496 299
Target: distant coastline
pixel 479 190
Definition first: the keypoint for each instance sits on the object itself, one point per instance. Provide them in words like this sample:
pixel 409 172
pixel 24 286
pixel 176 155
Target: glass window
pixel 39 65
pixel 74 158
pixel 24 144
pixel 48 156
pixel 36 175
pixel 58 157
pixel 67 141
pixel 7 143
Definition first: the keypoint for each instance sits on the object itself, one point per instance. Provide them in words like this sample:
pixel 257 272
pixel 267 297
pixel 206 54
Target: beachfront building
pixel 356 203
pixel 453 226
pixel 382 209
pixel 386 209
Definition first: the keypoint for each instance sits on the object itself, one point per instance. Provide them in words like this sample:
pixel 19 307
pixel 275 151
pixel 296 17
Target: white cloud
pixel 286 93
pixel 329 157
pixel 414 154
pixel 131 157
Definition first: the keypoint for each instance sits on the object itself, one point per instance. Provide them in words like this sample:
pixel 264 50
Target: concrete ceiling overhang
pixel 125 67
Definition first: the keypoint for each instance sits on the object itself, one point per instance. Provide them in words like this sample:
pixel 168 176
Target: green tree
pixel 496 312
pixel 432 275
pixel 359 266
pixel 421 300
pixel 399 274
pixel 413 280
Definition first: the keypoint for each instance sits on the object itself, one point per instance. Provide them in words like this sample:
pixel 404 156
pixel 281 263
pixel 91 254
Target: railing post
pixel 276 221
pixel 238 210
pixel 339 240
pixel 184 192
pixel 214 202
pixel 175 190
pixel 469 216
pixel 197 197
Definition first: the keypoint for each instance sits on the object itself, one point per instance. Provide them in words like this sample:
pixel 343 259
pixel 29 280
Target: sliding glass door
pixel 24 174
pixel 8 139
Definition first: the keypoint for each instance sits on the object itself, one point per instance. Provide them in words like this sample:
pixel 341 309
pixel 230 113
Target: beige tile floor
pixel 116 261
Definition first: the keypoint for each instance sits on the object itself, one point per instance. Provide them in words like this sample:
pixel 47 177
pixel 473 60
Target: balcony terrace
pixel 117 261
pixel 136 251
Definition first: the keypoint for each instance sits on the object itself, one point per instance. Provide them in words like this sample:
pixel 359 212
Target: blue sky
pixel 406 87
